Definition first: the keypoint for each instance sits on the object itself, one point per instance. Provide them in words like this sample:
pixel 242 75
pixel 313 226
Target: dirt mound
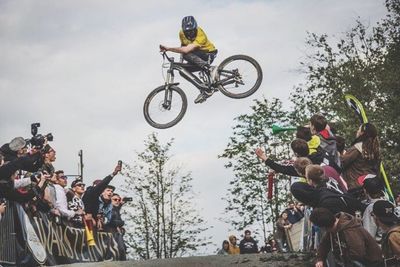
pixel 248 260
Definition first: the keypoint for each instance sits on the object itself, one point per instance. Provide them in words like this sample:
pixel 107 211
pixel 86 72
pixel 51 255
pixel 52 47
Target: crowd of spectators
pixel 349 207
pixel 28 177
pixel 246 246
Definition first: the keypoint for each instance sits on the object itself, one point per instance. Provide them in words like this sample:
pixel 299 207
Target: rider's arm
pixel 182 50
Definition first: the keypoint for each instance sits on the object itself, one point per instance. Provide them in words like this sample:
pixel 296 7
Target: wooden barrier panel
pixel 294 236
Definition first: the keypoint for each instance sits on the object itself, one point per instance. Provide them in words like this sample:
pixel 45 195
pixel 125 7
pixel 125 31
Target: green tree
pixel 247 204
pixel 162 221
pixel 365 62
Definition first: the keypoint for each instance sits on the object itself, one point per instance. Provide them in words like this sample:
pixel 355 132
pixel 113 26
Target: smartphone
pixel 120 163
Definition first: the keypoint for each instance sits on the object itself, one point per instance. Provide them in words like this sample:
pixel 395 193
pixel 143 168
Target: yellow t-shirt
pixel 201 40
pixel 313 144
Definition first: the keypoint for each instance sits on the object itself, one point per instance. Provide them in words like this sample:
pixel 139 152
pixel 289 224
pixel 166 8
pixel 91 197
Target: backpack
pixel 336 202
pixel 329 146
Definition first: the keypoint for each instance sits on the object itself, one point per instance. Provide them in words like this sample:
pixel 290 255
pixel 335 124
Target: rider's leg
pixel 203 61
pixel 198 58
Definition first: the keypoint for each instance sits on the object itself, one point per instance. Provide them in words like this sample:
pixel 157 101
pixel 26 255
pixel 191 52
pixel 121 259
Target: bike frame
pixel 182 69
pixel 231 77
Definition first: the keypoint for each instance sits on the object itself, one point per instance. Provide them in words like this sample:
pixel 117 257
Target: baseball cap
pixel 385 211
pixel 373 185
pixel 361 179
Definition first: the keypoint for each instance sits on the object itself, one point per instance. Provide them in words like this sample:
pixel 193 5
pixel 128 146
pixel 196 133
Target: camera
pixel 127 199
pixel 38 140
pixel 2 200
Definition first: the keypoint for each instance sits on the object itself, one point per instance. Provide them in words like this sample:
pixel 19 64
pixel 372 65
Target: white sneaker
pixel 203 96
pixel 200 98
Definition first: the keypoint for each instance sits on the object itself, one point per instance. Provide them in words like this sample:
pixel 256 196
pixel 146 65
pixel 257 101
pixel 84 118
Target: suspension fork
pixel 169 81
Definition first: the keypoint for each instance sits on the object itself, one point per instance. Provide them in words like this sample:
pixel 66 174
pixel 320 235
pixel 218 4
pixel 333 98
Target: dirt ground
pixel 248 260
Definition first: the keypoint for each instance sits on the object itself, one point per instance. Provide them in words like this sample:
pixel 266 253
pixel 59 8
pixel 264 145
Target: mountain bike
pixel 237 76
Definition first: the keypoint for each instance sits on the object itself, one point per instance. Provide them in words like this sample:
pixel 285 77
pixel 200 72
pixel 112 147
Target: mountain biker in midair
pixel 196 49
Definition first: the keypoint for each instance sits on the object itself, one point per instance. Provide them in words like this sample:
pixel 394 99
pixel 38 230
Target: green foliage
pixel 365 63
pixel 247 202
pixel 162 220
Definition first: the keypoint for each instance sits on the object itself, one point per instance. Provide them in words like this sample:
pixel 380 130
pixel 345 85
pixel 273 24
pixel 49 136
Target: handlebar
pixel 164 55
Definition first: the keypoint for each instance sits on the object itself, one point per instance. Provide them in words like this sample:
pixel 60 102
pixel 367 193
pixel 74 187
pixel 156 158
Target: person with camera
pixel 49 155
pixel 30 162
pixel 116 223
pixel 94 196
pixel 15 149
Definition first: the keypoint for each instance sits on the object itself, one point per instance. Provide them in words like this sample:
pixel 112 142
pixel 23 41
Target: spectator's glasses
pixel 80 185
pixel 116 199
pixel 63 177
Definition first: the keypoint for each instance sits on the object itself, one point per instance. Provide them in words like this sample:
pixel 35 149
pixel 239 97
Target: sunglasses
pixel 80 185
pixel 116 199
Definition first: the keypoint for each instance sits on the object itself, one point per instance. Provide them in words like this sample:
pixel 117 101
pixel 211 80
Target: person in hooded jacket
pixel 233 247
pixel 224 249
pixel 363 157
pixel 349 242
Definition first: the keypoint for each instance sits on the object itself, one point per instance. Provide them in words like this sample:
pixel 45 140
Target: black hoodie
pixel 248 246
pixel 325 198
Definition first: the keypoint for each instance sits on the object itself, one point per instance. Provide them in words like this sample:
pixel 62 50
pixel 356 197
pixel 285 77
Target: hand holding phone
pixel 118 168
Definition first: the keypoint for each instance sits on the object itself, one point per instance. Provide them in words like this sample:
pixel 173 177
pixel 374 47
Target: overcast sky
pixel 83 69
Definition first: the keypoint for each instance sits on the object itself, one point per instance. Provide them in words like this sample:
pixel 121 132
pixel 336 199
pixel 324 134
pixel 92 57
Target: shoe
pixel 204 95
pixel 201 98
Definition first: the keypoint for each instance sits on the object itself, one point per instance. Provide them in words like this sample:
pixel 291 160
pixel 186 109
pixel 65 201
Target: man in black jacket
pixel 248 245
pixel 91 198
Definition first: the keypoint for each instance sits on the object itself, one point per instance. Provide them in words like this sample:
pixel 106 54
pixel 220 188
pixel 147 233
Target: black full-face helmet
pixel 189 27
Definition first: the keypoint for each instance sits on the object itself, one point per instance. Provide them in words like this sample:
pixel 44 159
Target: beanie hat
pixel 17 143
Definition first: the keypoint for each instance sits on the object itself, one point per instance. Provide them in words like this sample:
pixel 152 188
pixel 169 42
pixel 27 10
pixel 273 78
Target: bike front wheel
pixel 164 108
pixel 239 76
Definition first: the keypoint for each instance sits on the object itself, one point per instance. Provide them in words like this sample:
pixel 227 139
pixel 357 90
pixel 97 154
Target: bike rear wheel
pixel 239 76
pixel 165 108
